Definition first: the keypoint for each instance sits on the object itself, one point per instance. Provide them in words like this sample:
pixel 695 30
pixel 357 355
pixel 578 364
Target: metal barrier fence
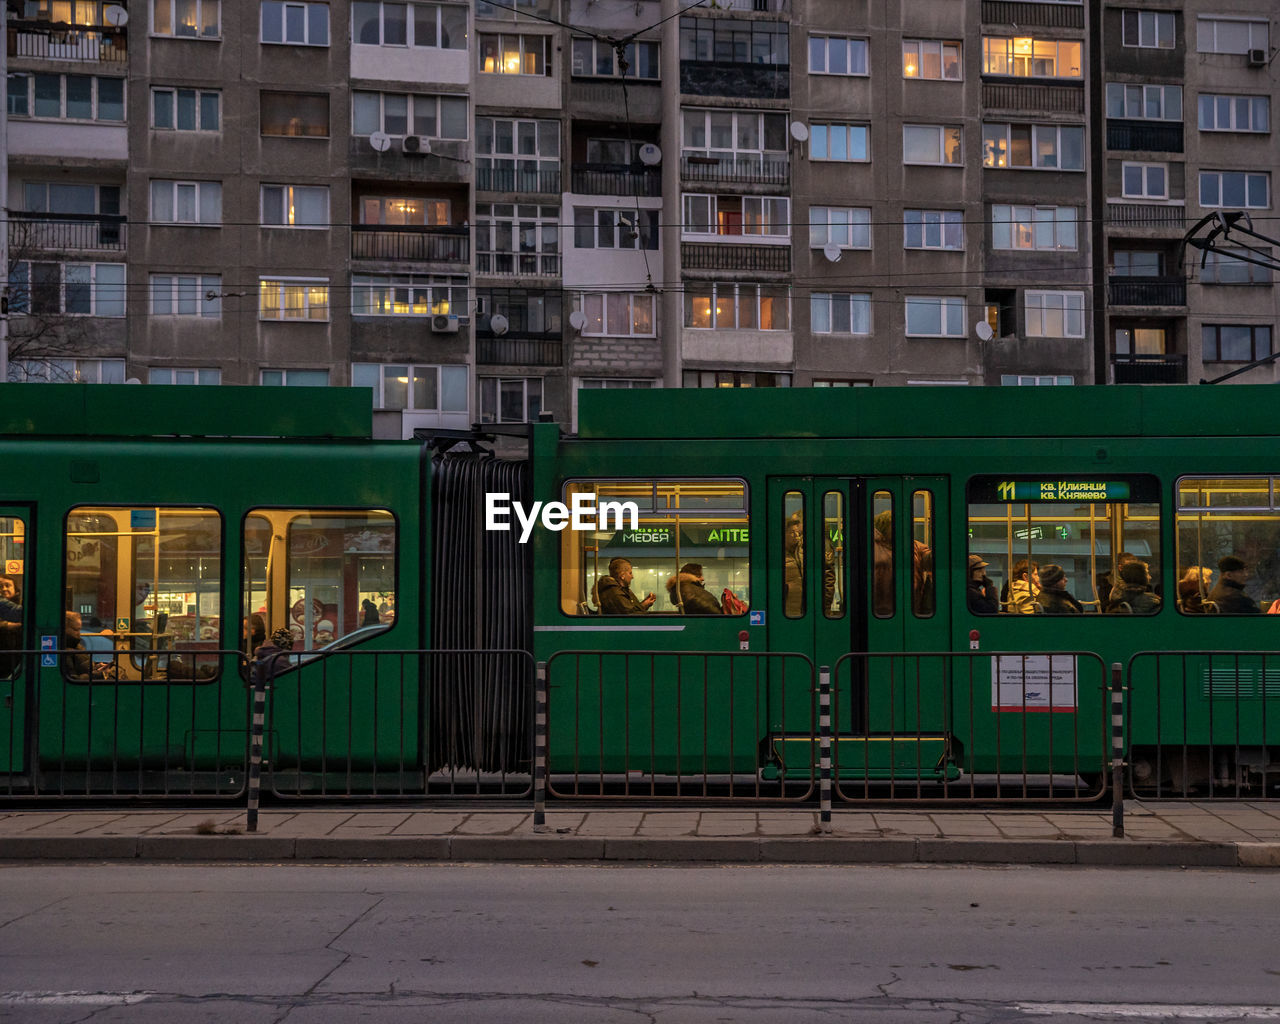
pixel 1203 724
pixel 971 726
pixel 676 725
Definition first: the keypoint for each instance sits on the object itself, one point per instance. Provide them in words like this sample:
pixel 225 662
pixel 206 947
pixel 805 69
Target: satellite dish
pixel 832 252
pixel 799 131
pixel 577 319
pixel 498 324
pixel 650 155
pixel 983 330
pixel 380 141
pixel 133 380
pixel 115 16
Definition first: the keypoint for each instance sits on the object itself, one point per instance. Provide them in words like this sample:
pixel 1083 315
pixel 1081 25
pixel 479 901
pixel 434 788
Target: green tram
pixel 151 536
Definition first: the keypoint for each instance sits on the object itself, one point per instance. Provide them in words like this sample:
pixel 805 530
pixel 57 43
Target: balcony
pixel 1011 12
pixel 64 232
pixel 537 263
pixel 1026 97
pixel 502 179
pixel 737 169
pixel 41 40
pixel 734 78
pixel 1149 369
pixel 735 256
pixel 519 351
pixel 1146 291
pixel 616 180
pixel 1146 215
pixel 424 244
pixel 1148 136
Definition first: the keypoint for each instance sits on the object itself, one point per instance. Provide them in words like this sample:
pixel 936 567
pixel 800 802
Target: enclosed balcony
pixel 1146 291
pixel 505 179
pixel 519 351
pixel 1149 369
pixel 592 179
pixel 43 40
pixel 713 256
pixel 1147 136
pixel 736 169
pixel 424 244
pixel 64 233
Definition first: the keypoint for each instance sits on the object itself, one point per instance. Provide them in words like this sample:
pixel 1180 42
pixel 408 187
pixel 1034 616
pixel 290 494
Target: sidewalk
pixel 1221 834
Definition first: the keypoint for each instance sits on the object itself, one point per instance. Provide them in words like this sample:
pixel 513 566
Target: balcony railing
pixel 40 40
pixel 1146 215
pixel 616 180
pixel 519 351
pixel 428 244
pixel 544 264
pixel 739 168
pixel 501 179
pixel 735 256
pixel 1011 12
pixel 1033 98
pixel 1149 136
pixel 738 79
pixel 65 232
pixel 1149 369
pixel 1146 291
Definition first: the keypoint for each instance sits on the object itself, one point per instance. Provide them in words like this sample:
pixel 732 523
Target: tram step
pixel 866 757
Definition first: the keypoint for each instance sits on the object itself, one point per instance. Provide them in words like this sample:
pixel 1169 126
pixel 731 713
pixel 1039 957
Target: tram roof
pixel 125 410
pixel 1114 410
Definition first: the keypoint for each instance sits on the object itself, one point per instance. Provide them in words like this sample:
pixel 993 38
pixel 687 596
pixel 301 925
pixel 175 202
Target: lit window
pixel 293 299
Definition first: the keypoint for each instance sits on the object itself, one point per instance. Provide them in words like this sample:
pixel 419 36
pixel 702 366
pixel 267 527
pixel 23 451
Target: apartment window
pixel 743 138
pixel 840 313
pixel 1034 227
pixel 530 312
pixel 846 226
pixel 932 229
pixel 1219 113
pixel 186 202
pixel 1136 263
pixel 612 227
pixel 616 314
pixel 597 59
pixel 1224 266
pixel 295 24
pixel 839 382
pixel 518 155
pixel 1147 102
pixel 1038 146
pixel 510 399
pixel 1235 343
pixel 303 115
pixel 517 239
pixel 1146 341
pixel 195 295
pixel 935 316
pixel 407 294
pixel 837 55
pixel 931 59
pixel 1055 314
pixel 295 206
pixel 751 217
pixel 67 97
pixel 1231 35
pixel 66 371
pixel 293 298
pixel 512 54
pixel 402 387
pixel 734 379
pixel 1147 29
pixel 1027 57
pixel 838 142
pixel 178 375
pixel 728 306
pixel 76 289
pixel 295 378
pixel 735 41
pixel 1144 181
pixel 60 197
pixel 931 144
pixel 1236 189
pixel 439 26
pixel 186 110
pixel 403 211
pixel 398 114
pixel 1034 380
pixel 186 19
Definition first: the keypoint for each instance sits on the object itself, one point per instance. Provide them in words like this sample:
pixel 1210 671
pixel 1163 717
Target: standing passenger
pixel 1053 597
pixel 1229 594
pixel 793 567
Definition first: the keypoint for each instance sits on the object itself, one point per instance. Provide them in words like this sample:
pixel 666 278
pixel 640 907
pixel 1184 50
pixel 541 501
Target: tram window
pixel 833 574
pixel 791 571
pixel 923 579
pixel 1089 526
pixel 669 526
pixel 13 552
pixel 1221 518
pixel 323 575
pixel 143 579
pixel 882 588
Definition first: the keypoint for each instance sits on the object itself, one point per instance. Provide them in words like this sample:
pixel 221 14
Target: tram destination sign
pixel 996 489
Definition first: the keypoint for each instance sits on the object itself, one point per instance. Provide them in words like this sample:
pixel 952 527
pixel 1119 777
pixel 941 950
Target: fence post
pixel 540 748
pixel 1117 751
pixel 257 674
pixel 824 748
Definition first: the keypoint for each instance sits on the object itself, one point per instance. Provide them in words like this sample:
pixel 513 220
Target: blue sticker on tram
pixel 757 618
pixel 142 519
pixel 48 643
pixel 48 661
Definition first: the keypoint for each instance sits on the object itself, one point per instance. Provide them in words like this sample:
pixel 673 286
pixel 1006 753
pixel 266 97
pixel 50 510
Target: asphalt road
pixel 443 943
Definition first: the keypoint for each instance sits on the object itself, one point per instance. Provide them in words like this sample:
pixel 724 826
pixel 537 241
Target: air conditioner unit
pixel 444 323
pixel 1257 58
pixel 416 145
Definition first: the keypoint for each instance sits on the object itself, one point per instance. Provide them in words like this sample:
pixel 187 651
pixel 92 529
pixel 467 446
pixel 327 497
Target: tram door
pixel 15 634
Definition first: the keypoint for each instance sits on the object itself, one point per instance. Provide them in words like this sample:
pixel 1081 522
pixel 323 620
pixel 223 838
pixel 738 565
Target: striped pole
pixel 540 749
pixel 257 676
pixel 1117 753
pixel 824 747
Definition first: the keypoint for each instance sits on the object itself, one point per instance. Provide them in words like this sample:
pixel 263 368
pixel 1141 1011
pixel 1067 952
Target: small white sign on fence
pixel 1033 682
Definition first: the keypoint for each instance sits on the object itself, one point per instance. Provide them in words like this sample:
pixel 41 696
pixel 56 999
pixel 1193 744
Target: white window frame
pixel 285 374
pixel 608 230
pixel 543 49
pixel 289 197
pixel 543 259
pixel 721 290
pixel 821 134
pixel 270 8
pixel 1032 223
pixel 598 307
pixel 1140 97
pixel 1037 130
pixel 1042 304
pixel 646 68
pixel 411 26
pixel 380 372
pixel 761 156
pixel 410 295
pixel 1215 260
pixel 1146 171
pixel 824 305
pixel 1150 36
pixel 490 406
pixel 764 228
pixel 1254 103
pixel 172 92
pixel 86 276
pixel 1207 27
pixel 939 222
pixel 203 376
pixel 1024 380
pixel 205 192
pixel 59 371
pixel 180 289
pixel 942 133
pixel 202 7
pixel 1263 176
pixel 846 226
pixel 412 101
pixel 951 314
pixel 25 97
pixel 1004 52
pixel 280 313
pixel 855 48
pixel 918 48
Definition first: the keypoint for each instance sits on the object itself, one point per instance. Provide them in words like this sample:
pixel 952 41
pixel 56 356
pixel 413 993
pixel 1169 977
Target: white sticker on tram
pixel 581 514
pixel 1153 1011
pixel 74 998
pixel 608 629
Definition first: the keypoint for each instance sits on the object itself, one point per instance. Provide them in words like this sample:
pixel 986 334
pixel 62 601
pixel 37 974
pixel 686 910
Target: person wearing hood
pixel 1054 597
pixel 613 592
pixel 1229 593
pixel 1134 596
pixel 692 594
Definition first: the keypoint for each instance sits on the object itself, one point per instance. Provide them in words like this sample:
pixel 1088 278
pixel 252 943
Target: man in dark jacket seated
pixel 613 592
pixel 1053 596
pixel 692 595
pixel 1228 593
